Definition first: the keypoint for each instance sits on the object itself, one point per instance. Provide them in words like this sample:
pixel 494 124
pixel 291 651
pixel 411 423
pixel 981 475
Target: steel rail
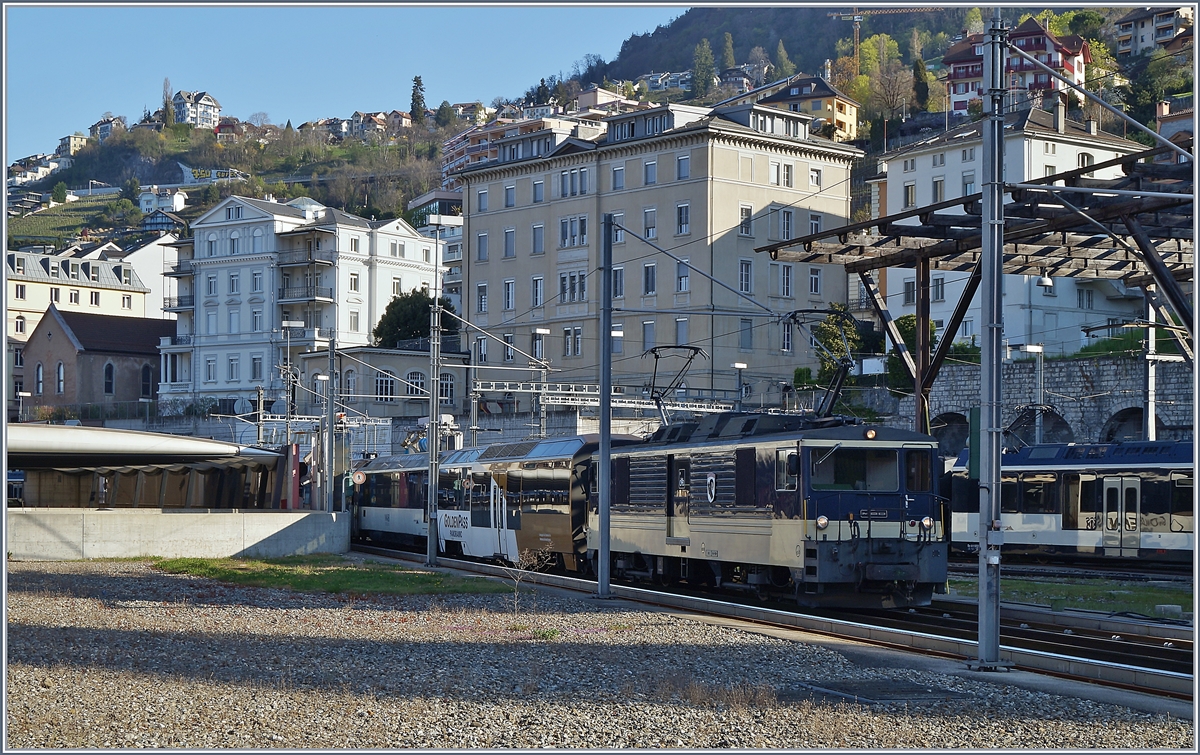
pixel 1119 675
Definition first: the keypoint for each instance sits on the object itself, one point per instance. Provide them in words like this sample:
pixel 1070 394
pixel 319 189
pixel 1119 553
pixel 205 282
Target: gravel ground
pixel 115 654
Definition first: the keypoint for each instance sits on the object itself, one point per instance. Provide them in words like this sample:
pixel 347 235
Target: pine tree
pixel 920 85
pixel 417 108
pixel 727 59
pixel 783 66
pixel 702 70
pixel 168 105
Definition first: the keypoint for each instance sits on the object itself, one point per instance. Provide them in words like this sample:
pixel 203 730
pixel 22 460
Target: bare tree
pixel 528 562
pixel 891 87
pixel 259 119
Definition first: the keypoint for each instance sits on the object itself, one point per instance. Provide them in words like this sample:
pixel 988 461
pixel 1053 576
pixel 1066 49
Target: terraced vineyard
pixel 64 220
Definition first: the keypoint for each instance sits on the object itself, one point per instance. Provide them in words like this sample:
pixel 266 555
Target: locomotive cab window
pixel 918 471
pixel 855 469
pixel 786 469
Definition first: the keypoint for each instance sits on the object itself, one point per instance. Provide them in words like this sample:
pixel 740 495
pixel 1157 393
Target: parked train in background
pixel 824 510
pixel 1131 500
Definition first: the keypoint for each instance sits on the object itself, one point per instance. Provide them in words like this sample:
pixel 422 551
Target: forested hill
pixel 809 35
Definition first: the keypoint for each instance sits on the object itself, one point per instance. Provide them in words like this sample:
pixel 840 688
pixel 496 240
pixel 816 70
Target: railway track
pixel 1122 572
pixel 1151 658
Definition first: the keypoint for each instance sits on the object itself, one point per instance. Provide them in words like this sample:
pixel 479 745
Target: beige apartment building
pixel 707 186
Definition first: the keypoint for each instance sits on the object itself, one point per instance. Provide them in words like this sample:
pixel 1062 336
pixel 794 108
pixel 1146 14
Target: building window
pixel 393 250
pixel 572 231
pixel 481 247
pixel 256 368
pixel 385 385
pixel 682 277
pixel 18 358
pixel 939 190
pixel 446 388
pixel 538 291
pixel 650 223
pixel 683 167
pixel 353 321
pixel 481 349
pixel 481 296
pixel 937 289
pixel 968 154
pixel 510 242
pixel 510 295
pixel 968 184
pixel 481 203
pixel 126 301
pixel 94 272
pixel 74 271
pixel 785 280
pixel 814 177
pixel 773 173
pixel 539 240
pixel 108 379
pixel 38 379
pixel 618 178
pixel 618 283
pixel 648 335
pixel 509 351
pixel 649 281
pixel 910 292
pixel 746 334
pixel 785 224
pixel 235 317
pixel 396 287
pixel 939 159
pixel 785 343
pixel 256 282
pixel 73 296
pixel 20 265
pixel 510 196
pixel 539 191
pixel 19 291
pixel 814 281
pixel 354 283
pixel 1051 170
pixel 211 285
pixel 745 228
pixel 1086 160
pixel 354 243
pixel 1085 300
pixel 55 293
pixel 651 173
pixel 19 324
pixel 94 298
pixel 745 276
pixel 910 195
pixel 682 219
pixel 1049 148
pixel 566 342
pixel 681 331
pixel 60 379
pixel 234 369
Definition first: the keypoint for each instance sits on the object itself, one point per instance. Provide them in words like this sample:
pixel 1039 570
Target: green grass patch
pixel 63 220
pixel 1092 595
pixel 328 573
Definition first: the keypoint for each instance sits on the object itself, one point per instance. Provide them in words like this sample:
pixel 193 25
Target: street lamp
pixel 544 367
pixel 20 404
pixel 147 402
pixel 739 366
pixel 287 326
pixel 1039 349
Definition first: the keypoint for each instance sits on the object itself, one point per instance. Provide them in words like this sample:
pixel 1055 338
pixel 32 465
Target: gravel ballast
pixel 117 654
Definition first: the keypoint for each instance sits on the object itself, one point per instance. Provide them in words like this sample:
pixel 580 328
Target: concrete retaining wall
pixel 61 534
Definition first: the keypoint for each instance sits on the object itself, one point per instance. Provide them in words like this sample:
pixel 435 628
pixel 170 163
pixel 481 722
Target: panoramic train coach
pixel 823 511
pixel 1130 500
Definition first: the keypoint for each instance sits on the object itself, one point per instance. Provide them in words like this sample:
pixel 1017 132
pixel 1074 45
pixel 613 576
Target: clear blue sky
pixel 66 66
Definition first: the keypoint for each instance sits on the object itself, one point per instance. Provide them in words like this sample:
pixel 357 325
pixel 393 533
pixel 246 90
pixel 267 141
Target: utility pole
pixel 434 429
pixel 991 304
pixel 604 471
pixel 329 412
pixel 259 423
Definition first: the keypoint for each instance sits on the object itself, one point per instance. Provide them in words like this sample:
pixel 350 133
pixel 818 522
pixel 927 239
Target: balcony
pixel 180 268
pixel 305 257
pixel 304 293
pixel 171 303
pixel 970 73
pixel 1165 33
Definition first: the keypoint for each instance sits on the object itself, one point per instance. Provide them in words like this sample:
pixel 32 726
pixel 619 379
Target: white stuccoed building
pixel 252 264
pixel 1037 143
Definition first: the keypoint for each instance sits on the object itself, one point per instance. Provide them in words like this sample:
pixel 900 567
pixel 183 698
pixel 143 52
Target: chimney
pixel 1060 115
pixel 1163 108
pixel 1091 126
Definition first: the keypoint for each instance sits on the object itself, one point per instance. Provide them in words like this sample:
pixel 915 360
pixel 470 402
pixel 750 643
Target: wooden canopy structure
pixel 1136 229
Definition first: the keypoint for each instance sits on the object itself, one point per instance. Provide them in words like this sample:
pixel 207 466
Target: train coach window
pixel 744 473
pixel 785 471
pixel 1009 501
pixel 1155 511
pixel 855 469
pixel 918 471
pixel 1080 502
pixel 1038 493
pixel 1182 513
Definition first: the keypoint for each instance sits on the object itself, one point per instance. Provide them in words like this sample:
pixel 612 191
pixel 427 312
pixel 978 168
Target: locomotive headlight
pixel 927 523
pixel 869 434
pixel 822 522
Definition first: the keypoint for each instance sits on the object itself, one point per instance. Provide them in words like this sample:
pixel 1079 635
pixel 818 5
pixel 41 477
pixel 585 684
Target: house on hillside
pixel 397 120
pixel 163 222
pixel 1147 28
pixel 198 109
pixel 154 198
pixel 70 144
pixel 105 127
